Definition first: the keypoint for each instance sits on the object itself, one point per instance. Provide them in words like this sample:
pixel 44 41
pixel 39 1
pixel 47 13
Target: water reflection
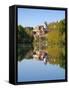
pixel 41 56
pixel 25 51
pixel 28 52
pixel 33 70
pixel 40 49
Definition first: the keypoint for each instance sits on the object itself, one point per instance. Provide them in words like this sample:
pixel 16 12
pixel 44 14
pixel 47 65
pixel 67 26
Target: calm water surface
pixel 34 70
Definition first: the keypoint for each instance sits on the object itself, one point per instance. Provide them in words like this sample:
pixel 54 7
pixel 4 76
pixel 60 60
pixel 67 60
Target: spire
pixel 46 26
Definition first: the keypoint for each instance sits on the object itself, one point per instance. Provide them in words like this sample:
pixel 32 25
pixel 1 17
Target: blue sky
pixel 34 17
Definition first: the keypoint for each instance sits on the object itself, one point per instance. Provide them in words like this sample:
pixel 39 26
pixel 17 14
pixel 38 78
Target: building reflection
pixel 41 56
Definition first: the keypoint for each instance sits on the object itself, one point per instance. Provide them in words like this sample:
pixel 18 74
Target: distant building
pixel 40 30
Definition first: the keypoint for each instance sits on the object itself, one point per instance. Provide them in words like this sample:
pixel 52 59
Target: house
pixel 40 30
